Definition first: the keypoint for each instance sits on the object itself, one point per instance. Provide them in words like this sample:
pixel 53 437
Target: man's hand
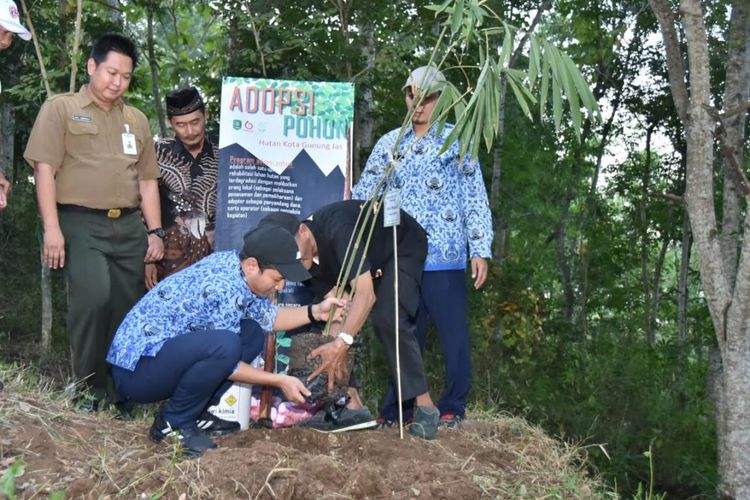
pixel 332 361
pixel 151 279
pixel 478 271
pixel 155 249
pixel 4 191
pixel 293 389
pixel 322 310
pixel 54 248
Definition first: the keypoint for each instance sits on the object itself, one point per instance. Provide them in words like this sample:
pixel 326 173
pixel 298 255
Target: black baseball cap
pixel 282 219
pixel 275 246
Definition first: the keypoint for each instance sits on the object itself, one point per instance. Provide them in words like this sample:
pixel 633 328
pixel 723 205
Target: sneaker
pixel 341 420
pixel 215 426
pixel 450 420
pixel 192 441
pixel 425 422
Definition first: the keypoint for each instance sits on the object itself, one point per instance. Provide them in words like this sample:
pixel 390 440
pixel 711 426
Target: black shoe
pixel 124 410
pixel 193 441
pixel 425 422
pixel 215 426
pixel 341 420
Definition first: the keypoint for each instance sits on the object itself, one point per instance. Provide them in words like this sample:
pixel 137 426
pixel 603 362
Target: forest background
pixel 593 323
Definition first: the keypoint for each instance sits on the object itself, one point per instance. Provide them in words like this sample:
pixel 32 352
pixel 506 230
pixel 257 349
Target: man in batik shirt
pixel 188 163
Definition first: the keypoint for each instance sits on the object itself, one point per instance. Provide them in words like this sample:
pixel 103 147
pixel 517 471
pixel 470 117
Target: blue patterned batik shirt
pixel 445 193
pixel 212 294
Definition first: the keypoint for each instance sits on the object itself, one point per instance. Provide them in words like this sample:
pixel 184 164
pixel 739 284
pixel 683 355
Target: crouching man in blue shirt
pixel 181 341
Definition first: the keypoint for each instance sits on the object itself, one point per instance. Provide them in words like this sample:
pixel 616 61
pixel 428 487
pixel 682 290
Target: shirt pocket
pixel 82 138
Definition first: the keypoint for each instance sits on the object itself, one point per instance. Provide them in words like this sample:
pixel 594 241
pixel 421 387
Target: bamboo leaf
pixel 507 46
pixel 584 92
pixel 454 134
pixel 519 96
pixel 439 8
pixel 520 77
pixel 544 91
pixel 458 16
pixel 534 57
pixel 556 102
pixel 573 102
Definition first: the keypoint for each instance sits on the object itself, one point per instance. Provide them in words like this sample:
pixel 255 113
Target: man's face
pixel 110 80
pixel 6 38
pixel 190 129
pixel 422 112
pixel 262 282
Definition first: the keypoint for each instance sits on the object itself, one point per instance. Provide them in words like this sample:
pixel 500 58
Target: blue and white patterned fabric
pixel 445 193
pixel 212 294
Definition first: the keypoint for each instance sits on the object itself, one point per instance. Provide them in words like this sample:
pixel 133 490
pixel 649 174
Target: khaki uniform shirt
pixel 84 145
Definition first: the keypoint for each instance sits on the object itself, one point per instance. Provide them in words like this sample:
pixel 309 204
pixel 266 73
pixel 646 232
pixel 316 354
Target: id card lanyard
pixel 129 145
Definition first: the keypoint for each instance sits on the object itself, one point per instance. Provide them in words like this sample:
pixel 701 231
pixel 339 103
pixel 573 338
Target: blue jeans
pixel 443 300
pixel 190 370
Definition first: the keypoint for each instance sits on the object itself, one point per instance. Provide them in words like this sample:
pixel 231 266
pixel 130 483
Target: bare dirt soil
pixel 96 456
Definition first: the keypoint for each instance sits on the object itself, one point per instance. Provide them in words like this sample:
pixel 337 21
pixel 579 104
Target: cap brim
pixel 293 272
pixel 16 28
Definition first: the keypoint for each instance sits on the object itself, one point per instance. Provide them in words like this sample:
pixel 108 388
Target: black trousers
pixel 413 379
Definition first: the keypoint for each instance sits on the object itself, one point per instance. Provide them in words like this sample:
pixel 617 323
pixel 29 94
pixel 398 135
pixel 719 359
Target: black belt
pixel 112 213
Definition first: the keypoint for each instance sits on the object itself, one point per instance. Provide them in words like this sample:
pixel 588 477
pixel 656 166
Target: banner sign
pixel 284 146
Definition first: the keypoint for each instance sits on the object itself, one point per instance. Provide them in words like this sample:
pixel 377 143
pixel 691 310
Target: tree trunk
pixel 727 295
pixel 683 294
pixel 364 122
pixel 155 71
pixel 646 241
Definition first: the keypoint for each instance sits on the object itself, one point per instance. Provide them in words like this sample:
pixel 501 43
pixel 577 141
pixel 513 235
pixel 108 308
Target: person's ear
pixel 249 265
pixel 91 66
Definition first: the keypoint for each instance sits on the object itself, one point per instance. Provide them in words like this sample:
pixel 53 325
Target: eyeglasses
pixel 425 100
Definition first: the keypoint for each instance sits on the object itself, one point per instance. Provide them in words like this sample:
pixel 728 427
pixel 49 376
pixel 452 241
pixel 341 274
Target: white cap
pixel 425 79
pixel 11 21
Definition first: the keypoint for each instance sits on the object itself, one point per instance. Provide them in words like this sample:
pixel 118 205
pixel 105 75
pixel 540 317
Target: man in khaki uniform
pixel 96 180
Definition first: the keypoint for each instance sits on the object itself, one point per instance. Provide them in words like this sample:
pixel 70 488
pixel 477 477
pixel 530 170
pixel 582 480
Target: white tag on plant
pixel 392 208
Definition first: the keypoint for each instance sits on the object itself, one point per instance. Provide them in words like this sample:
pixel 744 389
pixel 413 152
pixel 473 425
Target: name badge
pixel 392 208
pixel 129 145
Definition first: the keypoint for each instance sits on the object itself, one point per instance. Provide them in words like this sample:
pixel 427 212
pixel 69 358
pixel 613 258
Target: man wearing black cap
pixel 323 241
pixel 181 341
pixel 188 163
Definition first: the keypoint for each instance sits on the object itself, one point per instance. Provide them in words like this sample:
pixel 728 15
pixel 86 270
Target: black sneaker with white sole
pixel 193 441
pixel 215 426
pixel 341 420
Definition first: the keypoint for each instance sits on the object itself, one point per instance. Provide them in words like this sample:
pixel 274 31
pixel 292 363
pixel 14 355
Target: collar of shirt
pixel 85 98
pixel 179 148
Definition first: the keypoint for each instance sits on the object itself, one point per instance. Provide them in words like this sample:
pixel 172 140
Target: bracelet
pixel 310 315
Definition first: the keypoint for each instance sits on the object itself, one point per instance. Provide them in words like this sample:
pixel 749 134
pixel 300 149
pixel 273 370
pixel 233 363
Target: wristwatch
pixel 158 232
pixel 348 339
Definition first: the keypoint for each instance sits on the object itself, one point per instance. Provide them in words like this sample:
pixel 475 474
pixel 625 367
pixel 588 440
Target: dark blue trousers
pixel 443 300
pixel 190 371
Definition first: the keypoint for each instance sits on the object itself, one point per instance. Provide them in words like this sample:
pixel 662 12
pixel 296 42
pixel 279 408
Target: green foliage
pixel 7 481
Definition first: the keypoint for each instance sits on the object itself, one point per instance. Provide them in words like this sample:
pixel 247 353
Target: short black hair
pixel 112 42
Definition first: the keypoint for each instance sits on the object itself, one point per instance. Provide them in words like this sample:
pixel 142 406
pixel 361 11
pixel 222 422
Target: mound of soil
pixel 95 455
